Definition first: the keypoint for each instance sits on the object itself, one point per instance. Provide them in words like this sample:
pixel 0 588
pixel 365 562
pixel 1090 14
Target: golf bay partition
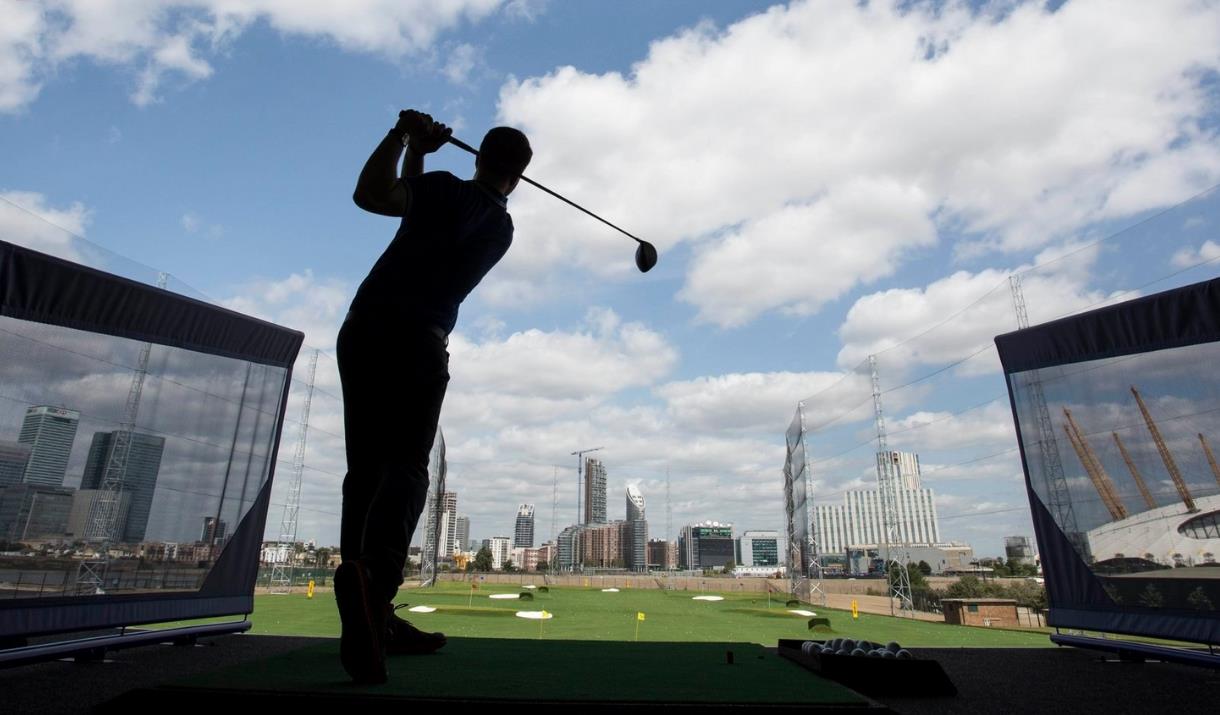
pixel 138 438
pixel 1118 418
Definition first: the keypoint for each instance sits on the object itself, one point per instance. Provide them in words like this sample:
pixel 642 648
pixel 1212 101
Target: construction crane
pixel 1135 473
pixel 1092 466
pixel 1170 465
pixel 281 572
pixel 103 522
pixel 1211 458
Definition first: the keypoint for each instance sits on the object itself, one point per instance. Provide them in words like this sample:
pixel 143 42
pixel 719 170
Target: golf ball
pixel 887 654
pixel 893 646
pixel 904 654
pixel 859 652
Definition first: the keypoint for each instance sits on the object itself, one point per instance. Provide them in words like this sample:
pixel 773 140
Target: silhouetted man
pixel 394 364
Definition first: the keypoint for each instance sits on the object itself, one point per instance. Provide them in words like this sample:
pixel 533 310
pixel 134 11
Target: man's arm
pixel 379 190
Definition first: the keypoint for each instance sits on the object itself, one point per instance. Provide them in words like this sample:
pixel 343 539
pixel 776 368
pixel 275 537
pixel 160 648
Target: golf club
pixel 645 253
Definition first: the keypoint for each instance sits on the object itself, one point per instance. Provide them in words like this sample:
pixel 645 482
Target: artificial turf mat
pixel 545 671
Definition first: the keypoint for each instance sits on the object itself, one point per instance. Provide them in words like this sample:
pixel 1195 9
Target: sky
pixel 824 181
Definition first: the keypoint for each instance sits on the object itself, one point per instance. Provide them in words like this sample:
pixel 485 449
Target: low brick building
pixel 990 612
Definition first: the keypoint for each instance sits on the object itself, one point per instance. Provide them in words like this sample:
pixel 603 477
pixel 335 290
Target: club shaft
pixel 463 145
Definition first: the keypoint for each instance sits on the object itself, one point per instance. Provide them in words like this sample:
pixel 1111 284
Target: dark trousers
pixel 394 378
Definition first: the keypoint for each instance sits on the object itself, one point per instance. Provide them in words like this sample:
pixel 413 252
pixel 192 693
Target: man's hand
pixel 424 134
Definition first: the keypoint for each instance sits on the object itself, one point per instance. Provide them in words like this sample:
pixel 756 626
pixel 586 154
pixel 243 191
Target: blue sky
pixel 823 180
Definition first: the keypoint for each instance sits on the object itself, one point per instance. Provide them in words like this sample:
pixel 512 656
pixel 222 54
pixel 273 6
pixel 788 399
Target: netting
pixel 948 425
pixel 138 434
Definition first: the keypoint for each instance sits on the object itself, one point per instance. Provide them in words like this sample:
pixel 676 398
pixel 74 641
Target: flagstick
pixel 470 602
pixel 637 628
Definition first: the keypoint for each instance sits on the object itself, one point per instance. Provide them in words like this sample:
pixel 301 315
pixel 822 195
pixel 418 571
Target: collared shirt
pixel 453 233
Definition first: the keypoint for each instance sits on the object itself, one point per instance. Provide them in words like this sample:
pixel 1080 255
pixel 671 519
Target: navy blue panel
pixel 236 571
pixel 1184 316
pixel 1069 580
pixel 45 289
pixel 69 615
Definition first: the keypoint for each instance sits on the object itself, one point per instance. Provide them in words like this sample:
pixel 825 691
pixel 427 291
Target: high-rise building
pixel 80 520
pixel 34 511
pixel 523 534
pixel 706 545
pixel 214 531
pixel 903 467
pixel 595 491
pixel 441 526
pixel 568 540
pixel 14 458
pixel 1019 549
pixel 860 520
pixel 602 545
pixel 463 533
pixel 139 480
pixel 662 554
pixel 499 546
pixel 50 432
pixel 635 550
pixel 758 548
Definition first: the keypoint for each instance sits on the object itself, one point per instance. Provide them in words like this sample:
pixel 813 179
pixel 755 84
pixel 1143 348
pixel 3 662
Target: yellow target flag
pixel 639 616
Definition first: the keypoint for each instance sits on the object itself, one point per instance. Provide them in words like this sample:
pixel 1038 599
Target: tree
pixel 1151 598
pixel 322 557
pixel 925 568
pixel 542 566
pixel 508 567
pixel 1199 601
pixel 482 560
pixel 728 568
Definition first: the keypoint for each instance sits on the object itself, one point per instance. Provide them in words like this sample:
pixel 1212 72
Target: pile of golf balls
pixel 847 646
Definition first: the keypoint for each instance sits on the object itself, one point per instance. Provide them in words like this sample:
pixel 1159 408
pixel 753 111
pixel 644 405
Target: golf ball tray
pixel 869 667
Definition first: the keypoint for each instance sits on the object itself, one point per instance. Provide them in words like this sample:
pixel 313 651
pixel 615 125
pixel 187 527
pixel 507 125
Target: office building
pixel 595 492
pixel 758 548
pixel 50 432
pixel 706 545
pixel 462 537
pixel 139 478
pixel 523 533
pixel 635 546
pixel 499 546
pixel 34 511
pixel 860 520
pixel 213 532
pixel 14 458
pixel 81 519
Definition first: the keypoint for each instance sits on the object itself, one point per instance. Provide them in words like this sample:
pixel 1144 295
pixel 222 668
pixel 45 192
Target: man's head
pixel 503 156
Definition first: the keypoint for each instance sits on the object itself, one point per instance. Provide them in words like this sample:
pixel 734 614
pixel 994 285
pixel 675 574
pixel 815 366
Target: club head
pixel 645 256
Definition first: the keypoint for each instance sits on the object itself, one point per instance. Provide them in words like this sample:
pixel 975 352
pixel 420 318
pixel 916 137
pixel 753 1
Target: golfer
pixel 394 365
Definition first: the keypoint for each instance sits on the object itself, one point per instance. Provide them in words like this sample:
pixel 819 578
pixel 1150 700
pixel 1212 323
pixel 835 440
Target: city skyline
pixel 866 234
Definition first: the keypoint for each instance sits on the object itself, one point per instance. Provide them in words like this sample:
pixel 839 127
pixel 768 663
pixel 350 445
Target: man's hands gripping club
pixel 423 134
pixel 379 189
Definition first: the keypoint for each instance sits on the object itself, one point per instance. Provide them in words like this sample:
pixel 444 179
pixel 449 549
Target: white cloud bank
pixel 808 149
pixel 182 37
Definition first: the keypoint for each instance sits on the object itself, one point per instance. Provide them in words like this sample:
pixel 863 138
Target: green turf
pixel 589 614
pixel 570 670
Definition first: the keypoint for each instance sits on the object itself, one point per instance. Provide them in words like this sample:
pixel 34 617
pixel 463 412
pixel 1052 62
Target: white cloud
pixel 957 316
pixel 742 402
pixel 462 61
pixel 181 37
pixel 1187 257
pixel 759 141
pixel 27 219
pixel 986 429
pixel 302 301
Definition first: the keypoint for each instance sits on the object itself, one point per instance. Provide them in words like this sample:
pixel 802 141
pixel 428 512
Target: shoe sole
pixel 359 644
